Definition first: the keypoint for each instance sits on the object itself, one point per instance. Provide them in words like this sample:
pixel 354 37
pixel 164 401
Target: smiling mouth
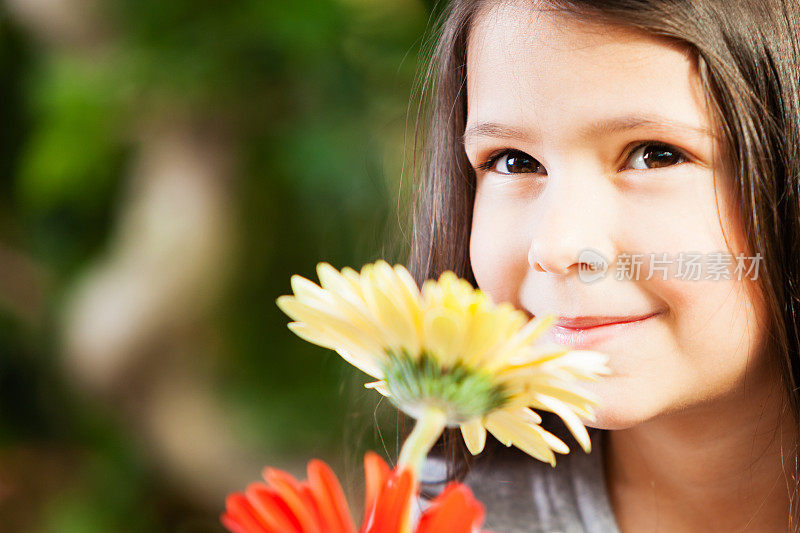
pixel 590 322
pixel 584 332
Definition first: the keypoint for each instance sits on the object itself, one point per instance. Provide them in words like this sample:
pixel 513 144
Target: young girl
pixel 662 130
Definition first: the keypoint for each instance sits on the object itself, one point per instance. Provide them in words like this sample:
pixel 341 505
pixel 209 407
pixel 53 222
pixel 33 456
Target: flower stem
pixel 426 432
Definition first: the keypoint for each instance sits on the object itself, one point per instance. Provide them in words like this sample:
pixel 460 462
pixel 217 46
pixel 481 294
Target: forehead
pixel 529 64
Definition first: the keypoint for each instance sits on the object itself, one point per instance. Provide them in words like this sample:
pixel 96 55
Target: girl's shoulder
pixel 523 494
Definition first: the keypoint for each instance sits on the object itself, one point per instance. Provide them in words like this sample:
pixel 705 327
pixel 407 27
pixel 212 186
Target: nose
pixel 572 215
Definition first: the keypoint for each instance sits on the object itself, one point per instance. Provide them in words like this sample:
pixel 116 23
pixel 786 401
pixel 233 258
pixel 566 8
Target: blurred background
pixel 166 166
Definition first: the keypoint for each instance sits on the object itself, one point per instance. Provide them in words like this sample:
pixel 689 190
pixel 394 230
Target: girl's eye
pixel 511 162
pixel 646 156
pixel 652 155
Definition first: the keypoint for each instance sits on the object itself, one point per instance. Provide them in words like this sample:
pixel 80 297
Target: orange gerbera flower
pixel 318 505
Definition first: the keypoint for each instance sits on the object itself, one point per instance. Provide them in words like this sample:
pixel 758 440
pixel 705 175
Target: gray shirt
pixel 524 495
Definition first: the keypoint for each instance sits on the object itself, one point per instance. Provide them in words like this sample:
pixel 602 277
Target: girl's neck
pixel 726 465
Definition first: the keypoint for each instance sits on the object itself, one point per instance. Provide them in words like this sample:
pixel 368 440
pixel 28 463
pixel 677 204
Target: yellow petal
pixel 311 335
pixel 354 279
pixel 365 360
pixel 556 444
pixel 379 386
pixel 582 364
pixel 569 417
pixel 364 363
pixel 567 391
pixel 324 318
pixel 474 435
pixel 537 354
pixel 346 293
pixel 522 339
pixel 527 415
pixel 331 280
pixel 404 276
pixel 481 338
pixel 382 299
pixel 443 335
pixel 510 430
pixel 305 289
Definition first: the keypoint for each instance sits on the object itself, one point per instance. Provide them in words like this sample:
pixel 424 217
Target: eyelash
pixel 489 163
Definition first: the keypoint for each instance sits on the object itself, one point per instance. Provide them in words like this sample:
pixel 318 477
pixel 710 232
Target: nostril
pixel 550 264
pixel 556 257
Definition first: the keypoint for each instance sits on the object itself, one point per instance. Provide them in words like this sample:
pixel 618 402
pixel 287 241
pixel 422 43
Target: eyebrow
pixel 597 128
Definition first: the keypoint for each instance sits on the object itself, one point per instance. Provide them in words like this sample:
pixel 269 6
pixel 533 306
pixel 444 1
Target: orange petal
pixel 329 496
pixel 231 524
pixel 310 501
pixel 288 488
pixel 455 510
pixel 241 517
pixel 376 471
pixel 272 508
pixel 391 509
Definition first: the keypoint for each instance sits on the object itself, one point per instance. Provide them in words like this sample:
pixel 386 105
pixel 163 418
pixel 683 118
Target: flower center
pixel 462 393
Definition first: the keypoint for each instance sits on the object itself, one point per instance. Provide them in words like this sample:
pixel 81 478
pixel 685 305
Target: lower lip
pixel 582 338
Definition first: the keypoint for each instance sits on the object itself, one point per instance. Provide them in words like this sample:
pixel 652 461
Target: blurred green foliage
pixel 313 94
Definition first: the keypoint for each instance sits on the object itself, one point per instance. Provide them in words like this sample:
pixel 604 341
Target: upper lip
pixel 580 322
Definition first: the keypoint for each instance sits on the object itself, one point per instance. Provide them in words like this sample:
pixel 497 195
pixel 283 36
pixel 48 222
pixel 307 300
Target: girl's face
pixel 597 138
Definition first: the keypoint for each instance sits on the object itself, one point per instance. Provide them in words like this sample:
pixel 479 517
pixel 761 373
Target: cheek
pixel 718 331
pixel 709 346
pixel 498 247
pixel 705 349
pixel 716 323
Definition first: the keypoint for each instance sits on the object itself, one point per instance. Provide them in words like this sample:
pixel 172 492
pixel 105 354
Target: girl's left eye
pixel 651 154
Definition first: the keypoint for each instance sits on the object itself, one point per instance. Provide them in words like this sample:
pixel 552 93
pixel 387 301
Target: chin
pixel 622 414
pixel 612 423
pixel 622 403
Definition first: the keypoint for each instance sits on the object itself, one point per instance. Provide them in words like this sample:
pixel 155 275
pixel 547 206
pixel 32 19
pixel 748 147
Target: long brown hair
pixel 748 59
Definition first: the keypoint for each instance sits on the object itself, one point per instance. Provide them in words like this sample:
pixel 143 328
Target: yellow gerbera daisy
pixel 448 355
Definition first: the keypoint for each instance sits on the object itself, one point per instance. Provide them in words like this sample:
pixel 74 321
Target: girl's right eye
pixel 511 162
